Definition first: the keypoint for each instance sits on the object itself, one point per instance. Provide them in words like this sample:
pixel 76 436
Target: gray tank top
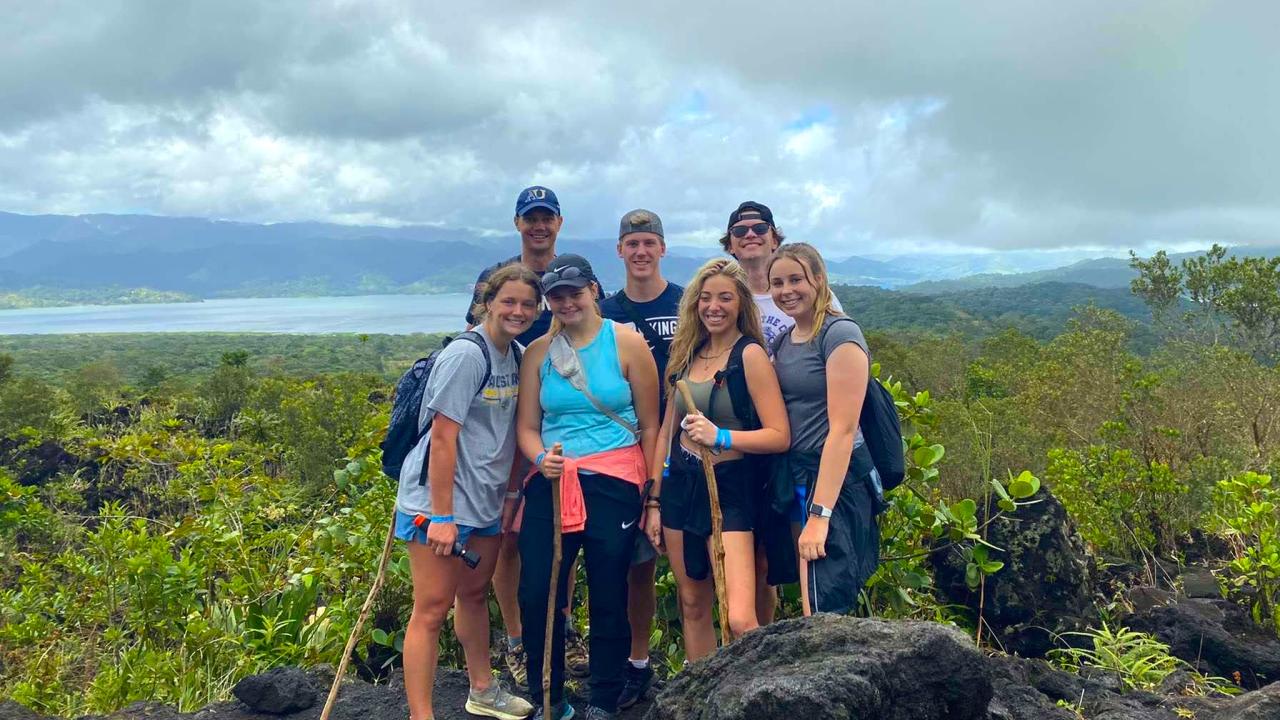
pixel 722 414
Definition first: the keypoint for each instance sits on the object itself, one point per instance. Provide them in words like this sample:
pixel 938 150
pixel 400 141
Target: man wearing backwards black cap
pixel 751 239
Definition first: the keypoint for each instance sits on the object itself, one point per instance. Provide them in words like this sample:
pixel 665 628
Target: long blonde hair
pixel 815 271
pixel 691 333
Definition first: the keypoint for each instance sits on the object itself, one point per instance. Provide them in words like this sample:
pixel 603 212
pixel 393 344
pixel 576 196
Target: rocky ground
pixel 866 669
pixel 821 667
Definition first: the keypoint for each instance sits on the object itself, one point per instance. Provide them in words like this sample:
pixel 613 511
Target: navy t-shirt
pixel 540 325
pixel 661 314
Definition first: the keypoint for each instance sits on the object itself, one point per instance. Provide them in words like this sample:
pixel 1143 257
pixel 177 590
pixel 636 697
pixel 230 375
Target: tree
pixel 6 367
pixel 1235 301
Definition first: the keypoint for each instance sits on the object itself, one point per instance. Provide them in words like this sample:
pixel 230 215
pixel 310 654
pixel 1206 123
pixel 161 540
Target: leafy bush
pixel 1247 511
pixel 1137 660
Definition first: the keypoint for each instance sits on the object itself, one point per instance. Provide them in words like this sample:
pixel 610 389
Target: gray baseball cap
pixel 640 220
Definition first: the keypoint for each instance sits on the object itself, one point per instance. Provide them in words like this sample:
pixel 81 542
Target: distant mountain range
pixel 210 258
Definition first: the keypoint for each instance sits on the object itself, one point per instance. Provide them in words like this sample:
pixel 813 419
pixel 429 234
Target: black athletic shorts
pixel 686 505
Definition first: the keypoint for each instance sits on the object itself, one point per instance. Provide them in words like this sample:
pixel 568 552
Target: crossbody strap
pixel 568 364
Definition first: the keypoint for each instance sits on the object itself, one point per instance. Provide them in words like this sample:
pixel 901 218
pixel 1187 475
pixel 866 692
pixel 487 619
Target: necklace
pixel 713 357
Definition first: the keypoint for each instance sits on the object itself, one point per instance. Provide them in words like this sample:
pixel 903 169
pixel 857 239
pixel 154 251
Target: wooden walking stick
pixel 557 525
pixel 717 522
pixel 364 614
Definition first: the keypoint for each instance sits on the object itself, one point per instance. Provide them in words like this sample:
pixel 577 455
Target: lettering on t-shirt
pixel 664 326
pixel 501 389
pixel 773 326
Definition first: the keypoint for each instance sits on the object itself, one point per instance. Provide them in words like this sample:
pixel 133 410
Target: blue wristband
pixel 538 460
pixel 441 518
pixel 724 440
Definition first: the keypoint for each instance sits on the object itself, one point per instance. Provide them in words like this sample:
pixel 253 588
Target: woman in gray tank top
pixel 823 369
pixel 717 335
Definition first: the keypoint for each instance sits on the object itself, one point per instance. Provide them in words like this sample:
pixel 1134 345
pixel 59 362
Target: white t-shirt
pixel 774 322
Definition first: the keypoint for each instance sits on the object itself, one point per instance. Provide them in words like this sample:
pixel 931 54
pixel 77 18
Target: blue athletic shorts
pixel 800 508
pixel 407 531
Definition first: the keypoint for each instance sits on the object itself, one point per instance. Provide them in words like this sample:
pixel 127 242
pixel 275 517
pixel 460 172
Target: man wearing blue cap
pixel 538 221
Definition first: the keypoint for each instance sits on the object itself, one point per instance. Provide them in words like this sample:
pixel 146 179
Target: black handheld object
pixel 468 557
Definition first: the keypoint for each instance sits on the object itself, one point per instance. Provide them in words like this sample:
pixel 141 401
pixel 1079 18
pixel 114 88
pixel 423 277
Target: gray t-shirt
pixel 802 373
pixel 486 442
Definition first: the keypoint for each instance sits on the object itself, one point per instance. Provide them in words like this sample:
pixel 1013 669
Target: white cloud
pixel 869 127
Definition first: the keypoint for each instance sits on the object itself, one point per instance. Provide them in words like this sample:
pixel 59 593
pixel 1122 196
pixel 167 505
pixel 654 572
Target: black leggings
pixel 613 513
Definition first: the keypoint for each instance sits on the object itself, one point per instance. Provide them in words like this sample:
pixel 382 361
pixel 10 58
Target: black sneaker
pixel 636 682
pixel 595 713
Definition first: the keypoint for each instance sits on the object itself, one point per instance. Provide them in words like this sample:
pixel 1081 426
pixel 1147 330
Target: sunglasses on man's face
pixel 740 231
pixel 556 276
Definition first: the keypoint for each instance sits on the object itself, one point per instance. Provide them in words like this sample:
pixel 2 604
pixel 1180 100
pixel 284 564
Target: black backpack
pixel 734 378
pixel 881 428
pixel 403 433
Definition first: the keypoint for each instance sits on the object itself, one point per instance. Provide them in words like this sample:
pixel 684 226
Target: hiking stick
pixel 717 522
pixel 364 614
pixel 556 549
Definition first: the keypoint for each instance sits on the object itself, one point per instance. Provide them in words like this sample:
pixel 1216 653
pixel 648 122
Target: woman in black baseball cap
pixel 589 387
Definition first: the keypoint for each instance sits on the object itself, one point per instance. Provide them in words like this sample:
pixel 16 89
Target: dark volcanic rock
pixel 1216 636
pixel 38 464
pixel 146 710
pixel 829 666
pixel 1044 587
pixel 278 691
pixel 1200 583
pixel 1261 705
pixel 10 710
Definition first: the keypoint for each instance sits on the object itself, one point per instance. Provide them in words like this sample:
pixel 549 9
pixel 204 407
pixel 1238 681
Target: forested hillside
pixel 164 533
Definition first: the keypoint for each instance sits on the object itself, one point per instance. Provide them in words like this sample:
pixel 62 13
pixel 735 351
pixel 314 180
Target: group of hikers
pixel 559 385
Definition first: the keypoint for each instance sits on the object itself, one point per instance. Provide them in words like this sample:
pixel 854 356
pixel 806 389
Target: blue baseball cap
pixel 537 197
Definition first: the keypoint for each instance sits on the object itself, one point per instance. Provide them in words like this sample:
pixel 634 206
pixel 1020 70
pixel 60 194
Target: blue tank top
pixel 569 418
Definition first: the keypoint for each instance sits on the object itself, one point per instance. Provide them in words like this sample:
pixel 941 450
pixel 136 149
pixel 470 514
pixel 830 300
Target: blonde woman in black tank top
pixel 716 311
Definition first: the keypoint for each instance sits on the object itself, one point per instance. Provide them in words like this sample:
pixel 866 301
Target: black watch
pixel 821 511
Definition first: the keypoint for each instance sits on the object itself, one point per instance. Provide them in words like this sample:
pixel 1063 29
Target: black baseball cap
pixel 750 210
pixel 567 270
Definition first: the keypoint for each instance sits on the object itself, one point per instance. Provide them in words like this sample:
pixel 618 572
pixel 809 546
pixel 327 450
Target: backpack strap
pixel 642 325
pixel 474 337
pixel 734 376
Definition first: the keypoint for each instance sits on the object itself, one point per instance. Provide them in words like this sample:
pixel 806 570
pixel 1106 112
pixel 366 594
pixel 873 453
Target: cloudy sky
pixel 869 127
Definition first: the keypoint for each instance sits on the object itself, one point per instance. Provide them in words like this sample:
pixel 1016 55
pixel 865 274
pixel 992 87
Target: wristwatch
pixel 821 511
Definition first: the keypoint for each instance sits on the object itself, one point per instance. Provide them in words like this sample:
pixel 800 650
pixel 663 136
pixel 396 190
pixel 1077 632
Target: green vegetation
pixel 178 511
pixel 1137 660
pixel 55 297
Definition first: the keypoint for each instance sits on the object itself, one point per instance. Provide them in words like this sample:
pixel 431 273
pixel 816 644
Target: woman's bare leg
pixel 696 597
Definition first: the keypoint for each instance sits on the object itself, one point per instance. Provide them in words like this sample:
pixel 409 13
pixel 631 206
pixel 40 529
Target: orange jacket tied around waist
pixel 625 463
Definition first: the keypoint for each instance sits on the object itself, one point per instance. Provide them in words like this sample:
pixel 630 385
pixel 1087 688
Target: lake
pixel 396 314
